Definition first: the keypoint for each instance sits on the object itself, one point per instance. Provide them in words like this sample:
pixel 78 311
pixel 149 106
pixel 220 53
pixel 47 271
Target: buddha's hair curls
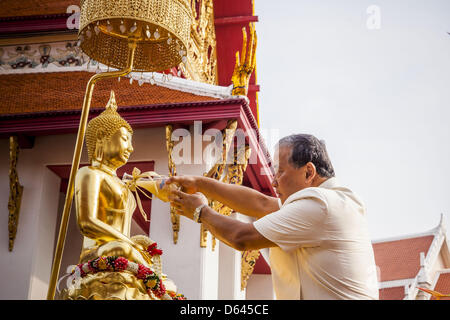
pixel 104 126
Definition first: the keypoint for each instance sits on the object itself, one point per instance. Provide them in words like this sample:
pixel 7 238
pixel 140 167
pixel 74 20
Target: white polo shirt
pixel 324 249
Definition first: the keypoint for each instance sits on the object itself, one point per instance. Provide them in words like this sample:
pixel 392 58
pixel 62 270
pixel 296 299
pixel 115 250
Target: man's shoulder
pixel 307 193
pixel 338 193
pixel 328 192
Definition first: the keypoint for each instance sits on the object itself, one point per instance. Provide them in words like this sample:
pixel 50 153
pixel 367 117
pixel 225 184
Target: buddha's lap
pixel 116 248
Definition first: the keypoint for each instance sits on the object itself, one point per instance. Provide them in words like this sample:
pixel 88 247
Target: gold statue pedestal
pixel 108 286
pixel 117 278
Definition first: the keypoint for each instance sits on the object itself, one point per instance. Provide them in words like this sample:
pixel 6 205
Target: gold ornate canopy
pixel 161 29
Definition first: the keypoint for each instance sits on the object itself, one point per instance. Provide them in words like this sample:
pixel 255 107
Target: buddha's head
pixel 109 137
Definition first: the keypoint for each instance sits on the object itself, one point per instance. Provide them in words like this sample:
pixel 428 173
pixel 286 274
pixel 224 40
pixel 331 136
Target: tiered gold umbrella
pixel 129 35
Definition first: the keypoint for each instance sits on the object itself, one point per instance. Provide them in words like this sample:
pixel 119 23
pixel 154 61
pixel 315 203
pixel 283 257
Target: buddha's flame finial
pixel 112 104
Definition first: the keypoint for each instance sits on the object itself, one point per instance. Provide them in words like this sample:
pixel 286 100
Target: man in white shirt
pixel 316 230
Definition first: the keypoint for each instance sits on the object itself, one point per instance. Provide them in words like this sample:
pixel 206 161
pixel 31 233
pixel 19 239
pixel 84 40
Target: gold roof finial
pixel 245 64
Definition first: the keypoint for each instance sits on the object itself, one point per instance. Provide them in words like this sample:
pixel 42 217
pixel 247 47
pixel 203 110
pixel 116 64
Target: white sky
pixel 380 98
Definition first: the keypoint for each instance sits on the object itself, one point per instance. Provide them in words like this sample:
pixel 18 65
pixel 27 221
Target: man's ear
pixel 310 171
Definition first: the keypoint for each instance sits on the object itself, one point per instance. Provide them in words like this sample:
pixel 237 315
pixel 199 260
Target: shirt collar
pixel 330 183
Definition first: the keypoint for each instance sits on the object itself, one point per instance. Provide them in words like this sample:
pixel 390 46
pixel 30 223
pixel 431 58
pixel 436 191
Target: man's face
pixel 288 179
pixel 118 148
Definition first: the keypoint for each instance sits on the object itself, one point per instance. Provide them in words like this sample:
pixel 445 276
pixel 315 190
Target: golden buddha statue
pixel 112 264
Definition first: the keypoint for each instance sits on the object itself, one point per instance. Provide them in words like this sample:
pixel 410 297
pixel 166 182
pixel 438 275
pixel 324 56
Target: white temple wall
pixel 259 287
pixel 26 269
pixel 45 229
pixel 15 265
pixel 230 273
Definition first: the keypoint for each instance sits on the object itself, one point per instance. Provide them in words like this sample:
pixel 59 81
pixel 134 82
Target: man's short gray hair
pixel 307 148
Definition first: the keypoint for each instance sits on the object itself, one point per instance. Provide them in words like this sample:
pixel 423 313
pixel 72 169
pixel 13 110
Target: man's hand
pixel 187 183
pixel 185 204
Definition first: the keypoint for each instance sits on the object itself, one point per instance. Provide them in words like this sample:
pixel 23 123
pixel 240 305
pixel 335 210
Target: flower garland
pixel 151 280
pixel 153 250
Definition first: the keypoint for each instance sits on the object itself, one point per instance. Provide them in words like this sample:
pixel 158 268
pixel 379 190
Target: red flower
pixel 160 290
pixel 120 264
pixel 92 265
pixel 143 271
pixel 152 250
pixel 179 297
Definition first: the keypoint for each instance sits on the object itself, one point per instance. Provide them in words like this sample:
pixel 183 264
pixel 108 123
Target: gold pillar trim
pixel 234 175
pixel 15 191
pixel 217 170
pixel 248 262
pixel 203 236
pixel 174 217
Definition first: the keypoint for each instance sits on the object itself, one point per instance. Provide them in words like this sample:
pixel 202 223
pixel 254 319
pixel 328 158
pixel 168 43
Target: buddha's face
pixel 118 148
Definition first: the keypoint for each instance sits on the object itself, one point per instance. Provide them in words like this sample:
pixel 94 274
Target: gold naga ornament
pixel 131 35
pixel 245 63
pixel 112 264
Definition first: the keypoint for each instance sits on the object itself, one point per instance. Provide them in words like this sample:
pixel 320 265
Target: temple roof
pixel 44 92
pixel 13 8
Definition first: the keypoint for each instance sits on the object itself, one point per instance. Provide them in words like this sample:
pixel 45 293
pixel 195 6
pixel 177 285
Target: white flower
pixel 133 267
pixel 85 268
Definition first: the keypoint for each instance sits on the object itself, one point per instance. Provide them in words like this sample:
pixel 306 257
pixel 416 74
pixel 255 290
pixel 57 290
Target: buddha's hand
pixel 185 204
pixel 138 247
pixel 189 184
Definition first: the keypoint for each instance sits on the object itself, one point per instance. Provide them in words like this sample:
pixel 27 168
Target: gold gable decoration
pixel 201 63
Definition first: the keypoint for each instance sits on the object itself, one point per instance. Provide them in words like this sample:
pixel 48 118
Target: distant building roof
pixel 443 284
pixel 407 263
pixel 394 293
pixel 400 259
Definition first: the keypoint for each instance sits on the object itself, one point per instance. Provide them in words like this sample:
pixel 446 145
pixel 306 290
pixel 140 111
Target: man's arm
pixel 240 198
pixel 236 234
